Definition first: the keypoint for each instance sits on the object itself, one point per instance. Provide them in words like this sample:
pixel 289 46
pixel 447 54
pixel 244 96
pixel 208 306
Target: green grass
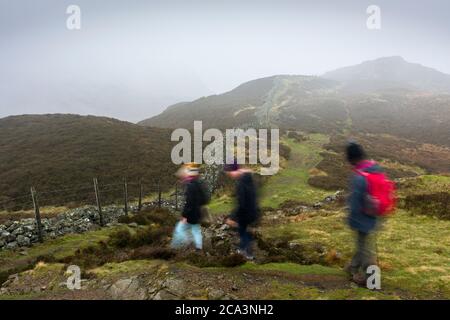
pixel 60 248
pixel 294 268
pixel 391 164
pixel 413 251
pixel 424 184
pixel 221 205
pixel 127 267
pixel 285 291
pixel 291 182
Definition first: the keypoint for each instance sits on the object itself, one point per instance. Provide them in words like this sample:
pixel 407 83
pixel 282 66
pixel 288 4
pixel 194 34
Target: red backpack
pixel 380 198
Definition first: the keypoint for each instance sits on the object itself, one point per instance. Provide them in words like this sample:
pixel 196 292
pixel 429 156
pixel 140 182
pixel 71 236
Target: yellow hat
pixel 189 169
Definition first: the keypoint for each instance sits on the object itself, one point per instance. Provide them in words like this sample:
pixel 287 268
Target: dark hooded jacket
pixel 195 198
pixel 246 211
pixel 357 218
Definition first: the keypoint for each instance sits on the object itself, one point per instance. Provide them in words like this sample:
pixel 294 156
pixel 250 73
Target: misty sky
pixel 131 59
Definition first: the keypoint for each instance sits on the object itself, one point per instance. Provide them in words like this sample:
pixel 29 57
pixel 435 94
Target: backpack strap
pixel 360 172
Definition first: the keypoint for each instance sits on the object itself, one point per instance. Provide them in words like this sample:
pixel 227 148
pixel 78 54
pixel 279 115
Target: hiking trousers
pixel 183 234
pixel 246 238
pixel 364 255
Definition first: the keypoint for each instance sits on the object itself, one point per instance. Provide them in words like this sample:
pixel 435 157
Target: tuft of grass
pixel 423 185
pixel 150 252
pixel 204 261
pixel 436 204
pixel 149 235
pixel 161 216
pixel 120 238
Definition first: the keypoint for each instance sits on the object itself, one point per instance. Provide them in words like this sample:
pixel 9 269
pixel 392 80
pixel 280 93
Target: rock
pixel 4 234
pixel 14 225
pixel 215 294
pixel 133 225
pixel 12 245
pixel 175 286
pixel 11 280
pixel 230 297
pixel 207 240
pixel 317 205
pixel 165 295
pixel 23 241
pixel 78 220
pixel 294 245
pixel 128 289
pixel 29 228
pixel 18 231
pixel 10 237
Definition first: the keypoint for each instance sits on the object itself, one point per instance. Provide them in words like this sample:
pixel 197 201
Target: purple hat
pixel 231 167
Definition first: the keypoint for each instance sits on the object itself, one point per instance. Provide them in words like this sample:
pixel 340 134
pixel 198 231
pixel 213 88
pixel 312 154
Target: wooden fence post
pixel 140 195
pixel 37 214
pixel 97 198
pixel 125 192
pixel 159 193
pixel 176 196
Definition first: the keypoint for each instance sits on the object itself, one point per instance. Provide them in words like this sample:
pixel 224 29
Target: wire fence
pixel 110 193
pixel 133 194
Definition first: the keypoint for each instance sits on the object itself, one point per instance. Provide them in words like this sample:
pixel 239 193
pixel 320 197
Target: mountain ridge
pixel 388 72
pixel 324 105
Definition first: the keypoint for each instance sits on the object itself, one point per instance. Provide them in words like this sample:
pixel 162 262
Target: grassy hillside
pixel 218 111
pixel 292 181
pixel 413 250
pixel 413 255
pixel 54 152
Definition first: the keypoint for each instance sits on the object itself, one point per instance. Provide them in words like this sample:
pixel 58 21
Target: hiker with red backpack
pixel 371 198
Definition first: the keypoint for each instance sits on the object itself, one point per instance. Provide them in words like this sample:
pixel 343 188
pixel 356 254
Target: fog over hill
pixel 390 72
pixel 407 119
pixel 130 60
pixel 383 96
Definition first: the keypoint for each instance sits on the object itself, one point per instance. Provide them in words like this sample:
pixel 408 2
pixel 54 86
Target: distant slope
pixel 217 110
pixel 388 73
pixel 253 103
pixel 53 152
pixel 316 104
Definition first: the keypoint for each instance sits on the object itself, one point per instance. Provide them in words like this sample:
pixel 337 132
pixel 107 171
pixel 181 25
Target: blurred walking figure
pixel 246 212
pixel 372 196
pixel 195 197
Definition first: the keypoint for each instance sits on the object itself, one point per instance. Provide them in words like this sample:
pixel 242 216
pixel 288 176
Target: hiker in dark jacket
pixel 246 212
pixel 195 198
pixel 194 201
pixel 362 223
